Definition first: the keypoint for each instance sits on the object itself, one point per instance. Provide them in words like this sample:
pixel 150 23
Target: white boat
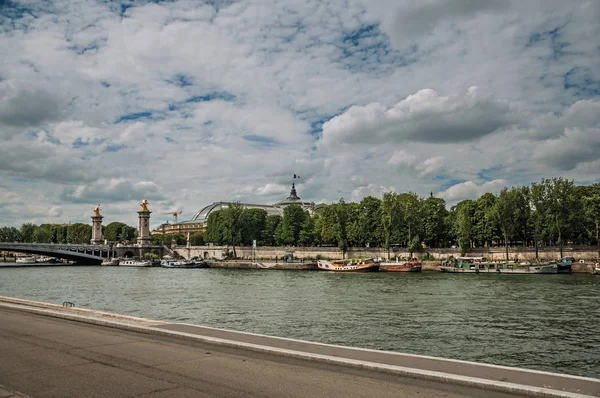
pixel 110 261
pixel 47 260
pixel 25 260
pixel 178 264
pixel 597 269
pixel 134 263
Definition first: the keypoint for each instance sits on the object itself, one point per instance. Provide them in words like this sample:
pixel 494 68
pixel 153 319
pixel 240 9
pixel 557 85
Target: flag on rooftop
pixel 296 176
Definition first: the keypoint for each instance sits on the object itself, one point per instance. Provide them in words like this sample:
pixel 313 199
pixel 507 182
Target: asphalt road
pixel 47 357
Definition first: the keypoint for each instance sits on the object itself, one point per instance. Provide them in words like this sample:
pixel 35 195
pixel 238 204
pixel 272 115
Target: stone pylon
pixel 97 238
pixel 144 236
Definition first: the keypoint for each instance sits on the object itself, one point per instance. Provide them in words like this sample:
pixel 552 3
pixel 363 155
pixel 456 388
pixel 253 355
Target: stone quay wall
pixel 586 254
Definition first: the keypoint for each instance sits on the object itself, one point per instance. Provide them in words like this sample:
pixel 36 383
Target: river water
pixel 546 322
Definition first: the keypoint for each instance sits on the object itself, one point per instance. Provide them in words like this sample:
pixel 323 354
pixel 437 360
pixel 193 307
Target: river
pixel 545 322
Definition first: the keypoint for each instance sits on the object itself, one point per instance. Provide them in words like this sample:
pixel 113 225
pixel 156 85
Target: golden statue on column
pixel 144 205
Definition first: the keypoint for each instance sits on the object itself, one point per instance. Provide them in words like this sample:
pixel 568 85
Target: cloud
pixel 422 117
pixel 423 167
pixel 575 146
pixel 55 211
pixel 39 156
pixel 421 18
pixel 471 190
pixel 8 198
pixel 113 190
pixel 330 90
pixel 582 114
pixel 369 190
pixel 22 107
pixel 271 189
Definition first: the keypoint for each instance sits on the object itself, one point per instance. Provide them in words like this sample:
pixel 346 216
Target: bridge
pixel 85 254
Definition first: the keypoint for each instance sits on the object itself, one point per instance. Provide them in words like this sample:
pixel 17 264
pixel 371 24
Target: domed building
pixel 199 221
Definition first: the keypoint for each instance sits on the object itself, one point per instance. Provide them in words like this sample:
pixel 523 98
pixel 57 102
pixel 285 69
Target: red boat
pixel 413 266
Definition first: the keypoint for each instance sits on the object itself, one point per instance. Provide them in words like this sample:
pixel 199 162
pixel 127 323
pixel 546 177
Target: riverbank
pixel 588 254
pixel 244 264
pixel 77 359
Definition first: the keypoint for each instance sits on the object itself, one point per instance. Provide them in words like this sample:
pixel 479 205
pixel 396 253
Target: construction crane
pixel 172 213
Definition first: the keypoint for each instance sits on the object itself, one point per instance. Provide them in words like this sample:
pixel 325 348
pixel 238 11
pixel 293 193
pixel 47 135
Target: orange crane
pixel 172 213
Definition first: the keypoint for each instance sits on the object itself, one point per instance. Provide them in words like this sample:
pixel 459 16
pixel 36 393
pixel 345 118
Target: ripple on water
pixel 543 322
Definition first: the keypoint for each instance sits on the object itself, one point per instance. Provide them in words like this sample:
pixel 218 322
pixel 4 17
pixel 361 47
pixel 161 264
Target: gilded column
pixel 144 236
pixel 97 238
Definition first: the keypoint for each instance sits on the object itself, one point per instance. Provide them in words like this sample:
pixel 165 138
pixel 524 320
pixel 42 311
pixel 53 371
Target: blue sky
pixel 189 102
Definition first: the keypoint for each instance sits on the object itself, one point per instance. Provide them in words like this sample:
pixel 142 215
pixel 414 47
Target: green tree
pixel 539 202
pixel 233 218
pixel 268 232
pixel 253 223
pixel 410 204
pixel 369 218
pixel 592 212
pixel 563 204
pixel 462 216
pixel 328 225
pixel 288 232
pixel 341 213
pixel 307 232
pixel 391 214
pixel 28 232
pixel 79 233
pixel 43 234
pixel 505 213
pixel 10 234
pixel 128 234
pixel 485 225
pixel 113 231
pixel 197 238
pixel 216 231
pixel 435 230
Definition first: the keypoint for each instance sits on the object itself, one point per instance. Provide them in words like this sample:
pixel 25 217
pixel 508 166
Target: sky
pixel 185 103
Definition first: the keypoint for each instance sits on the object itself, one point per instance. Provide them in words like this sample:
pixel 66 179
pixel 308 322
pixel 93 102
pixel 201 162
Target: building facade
pixel 199 221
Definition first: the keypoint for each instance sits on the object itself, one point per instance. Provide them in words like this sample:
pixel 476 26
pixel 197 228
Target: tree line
pixel 552 212
pixel 77 233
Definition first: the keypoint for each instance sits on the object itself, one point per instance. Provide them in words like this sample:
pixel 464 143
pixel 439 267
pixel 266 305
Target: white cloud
pixel 270 189
pixel 55 211
pixel 471 190
pixel 423 167
pixel 224 101
pixel 424 116
pixel 369 190
pixel 113 190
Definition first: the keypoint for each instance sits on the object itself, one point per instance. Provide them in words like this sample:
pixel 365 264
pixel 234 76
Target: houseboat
pixel 348 266
pixel 402 266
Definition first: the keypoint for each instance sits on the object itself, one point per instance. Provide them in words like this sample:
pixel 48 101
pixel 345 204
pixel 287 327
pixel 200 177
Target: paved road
pixel 48 357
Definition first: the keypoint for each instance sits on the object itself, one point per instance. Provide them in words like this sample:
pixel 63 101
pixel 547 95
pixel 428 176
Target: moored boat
pixel 350 266
pixel 178 264
pixel 467 265
pixel 134 263
pixel 25 260
pixel 110 261
pixel 47 260
pixel 403 266
pixel 564 265
pixel 550 268
pixel 596 269
pixel 476 265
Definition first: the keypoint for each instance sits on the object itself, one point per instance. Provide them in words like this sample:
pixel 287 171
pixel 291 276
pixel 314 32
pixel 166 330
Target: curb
pixel 513 388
